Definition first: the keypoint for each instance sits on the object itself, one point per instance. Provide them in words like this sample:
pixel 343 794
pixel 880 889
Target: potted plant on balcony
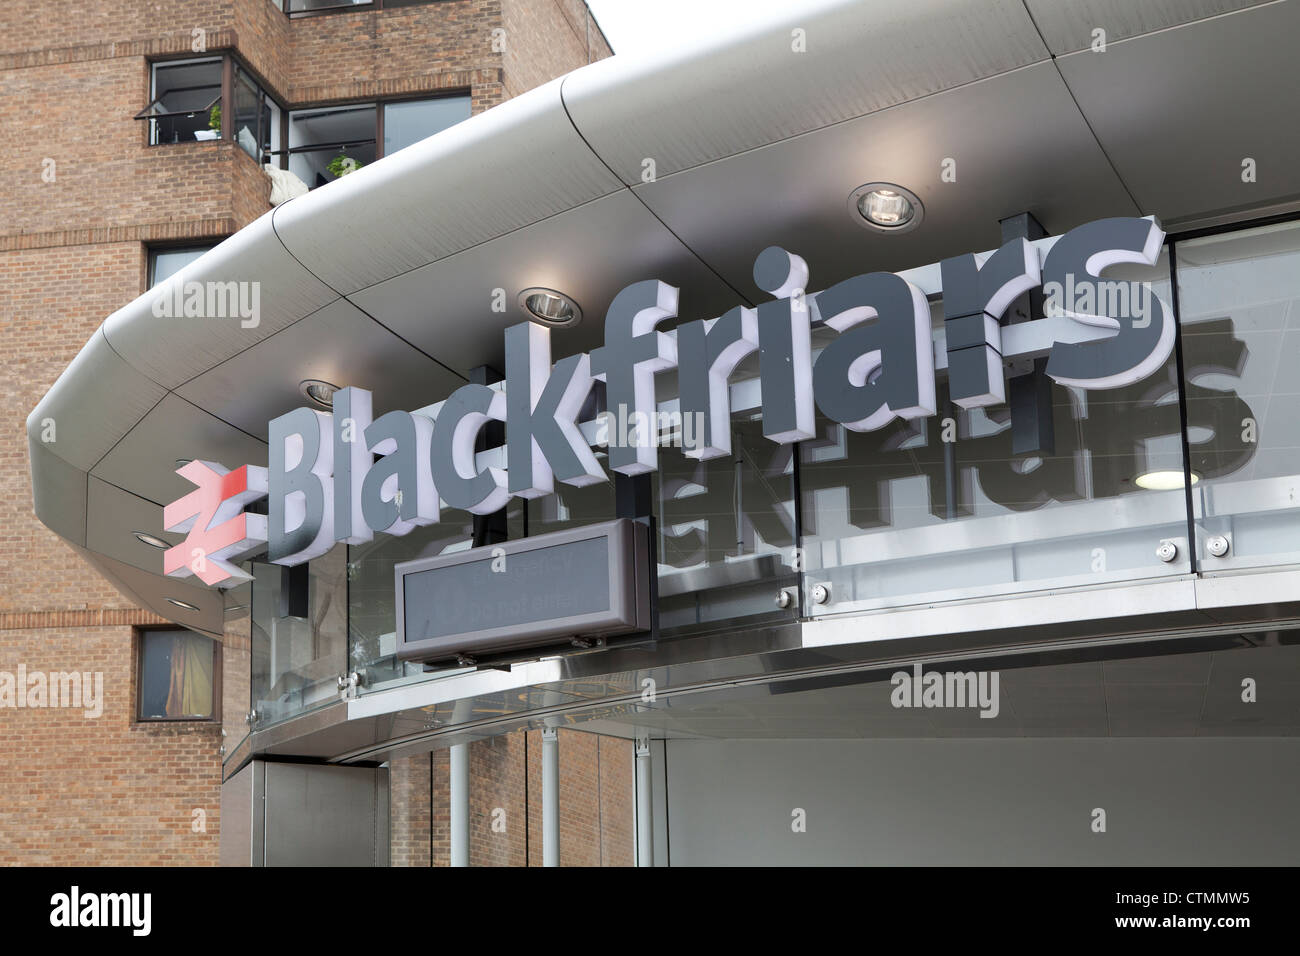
pixel 214 125
pixel 341 165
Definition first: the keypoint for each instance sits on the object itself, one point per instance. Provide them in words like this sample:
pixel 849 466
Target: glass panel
pixel 165 263
pixel 571 507
pixel 236 665
pixel 248 113
pixel 726 534
pixel 987 758
pixel 327 143
pixel 270 129
pixel 298 651
pixel 372 617
pixel 414 120
pixel 184 95
pixel 176 675
pixel 940 508
pixel 303 6
pixel 1239 299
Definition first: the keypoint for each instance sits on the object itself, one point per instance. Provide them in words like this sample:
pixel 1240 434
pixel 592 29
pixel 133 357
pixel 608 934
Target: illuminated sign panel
pixel 343 477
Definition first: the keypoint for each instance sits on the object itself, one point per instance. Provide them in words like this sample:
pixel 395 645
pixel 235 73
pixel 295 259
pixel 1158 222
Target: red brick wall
pixel 73 73
pixel 597 791
pixel 547 38
pixel 497 793
pixel 439 46
pixel 409 783
pixel 51 301
pixel 58 25
pixel 77 790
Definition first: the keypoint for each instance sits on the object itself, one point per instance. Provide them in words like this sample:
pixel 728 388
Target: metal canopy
pixel 385 279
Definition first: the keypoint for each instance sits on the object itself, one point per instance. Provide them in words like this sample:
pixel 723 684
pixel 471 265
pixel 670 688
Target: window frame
pixel 230 62
pixel 152 250
pixel 342 6
pixel 281 156
pixel 237 66
pixel 138 642
pixel 151 96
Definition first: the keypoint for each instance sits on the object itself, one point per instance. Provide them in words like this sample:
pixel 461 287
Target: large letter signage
pixel 342 477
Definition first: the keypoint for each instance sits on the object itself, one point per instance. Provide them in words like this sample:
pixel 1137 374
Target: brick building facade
pixel 82 200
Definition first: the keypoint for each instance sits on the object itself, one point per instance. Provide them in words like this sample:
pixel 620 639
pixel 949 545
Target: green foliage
pixel 341 165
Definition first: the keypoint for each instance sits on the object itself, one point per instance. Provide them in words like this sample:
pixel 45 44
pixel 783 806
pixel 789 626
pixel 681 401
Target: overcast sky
pixel 633 26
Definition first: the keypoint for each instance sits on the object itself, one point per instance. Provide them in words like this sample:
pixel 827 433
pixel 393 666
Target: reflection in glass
pixel 570 507
pixel 372 615
pixel 1239 298
pixel 726 533
pixel 410 121
pixel 165 263
pixel 256 119
pixel 940 507
pixel 298 640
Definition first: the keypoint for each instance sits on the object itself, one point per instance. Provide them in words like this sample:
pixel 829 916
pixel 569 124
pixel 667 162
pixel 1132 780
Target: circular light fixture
pixel 1163 480
pixel 185 604
pixel 150 540
pixel 236 607
pixel 550 307
pixel 885 207
pixel 322 393
pixel 182 462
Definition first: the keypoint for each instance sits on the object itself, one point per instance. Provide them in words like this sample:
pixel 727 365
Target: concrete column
pixel 550 797
pixel 459 804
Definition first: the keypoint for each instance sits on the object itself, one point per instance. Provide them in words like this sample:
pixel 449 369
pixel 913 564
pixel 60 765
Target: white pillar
pixel 460 804
pixel 550 798
pixel 645 839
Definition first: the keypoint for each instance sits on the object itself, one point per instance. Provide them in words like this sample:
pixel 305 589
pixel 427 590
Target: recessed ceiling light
pixel 1163 480
pixel 150 540
pixel 182 462
pixel 322 393
pixel 236 607
pixel 885 207
pixel 550 307
pixel 185 604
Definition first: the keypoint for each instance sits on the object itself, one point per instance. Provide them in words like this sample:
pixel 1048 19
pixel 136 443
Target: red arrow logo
pixel 219 530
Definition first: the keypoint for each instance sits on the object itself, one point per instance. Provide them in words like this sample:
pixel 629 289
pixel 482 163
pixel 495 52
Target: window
pixel 166 262
pixel 328 142
pixel 191 102
pixel 177 676
pixel 186 103
pixel 319 6
pixel 410 121
pixel 256 117
pixel 302 8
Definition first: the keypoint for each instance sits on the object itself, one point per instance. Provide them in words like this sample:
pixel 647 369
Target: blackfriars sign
pixel 345 476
